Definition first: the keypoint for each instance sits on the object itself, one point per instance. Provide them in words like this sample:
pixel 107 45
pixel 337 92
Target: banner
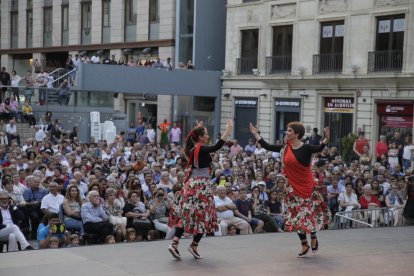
pixel 339 105
pixel 401 109
pixel 398 121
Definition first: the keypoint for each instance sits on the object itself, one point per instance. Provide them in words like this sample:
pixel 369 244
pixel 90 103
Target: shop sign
pixel 249 102
pixel 287 103
pixel 398 121
pixel 339 105
pixel 395 109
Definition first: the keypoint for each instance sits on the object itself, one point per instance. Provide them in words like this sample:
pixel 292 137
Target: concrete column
pixel 22 24
pixel 167 19
pixel 57 23
pixel 117 21
pixel 96 22
pixel 164 110
pixel 74 22
pixel 143 20
pixel 409 48
pixel 264 117
pixel 7 61
pixel 37 23
pixel 5 25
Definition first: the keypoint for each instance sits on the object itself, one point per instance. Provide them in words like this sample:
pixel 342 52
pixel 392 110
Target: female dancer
pixel 306 211
pixel 193 210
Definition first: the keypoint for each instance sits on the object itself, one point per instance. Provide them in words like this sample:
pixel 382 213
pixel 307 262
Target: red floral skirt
pixel 193 208
pixel 305 215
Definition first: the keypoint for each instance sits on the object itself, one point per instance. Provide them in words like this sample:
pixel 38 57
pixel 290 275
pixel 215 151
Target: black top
pixel 302 154
pixel 15 215
pixel 204 157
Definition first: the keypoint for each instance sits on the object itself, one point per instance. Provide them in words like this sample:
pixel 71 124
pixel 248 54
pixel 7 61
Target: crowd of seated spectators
pixel 61 192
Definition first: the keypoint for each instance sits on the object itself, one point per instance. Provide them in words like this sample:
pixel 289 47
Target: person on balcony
pixel 64 93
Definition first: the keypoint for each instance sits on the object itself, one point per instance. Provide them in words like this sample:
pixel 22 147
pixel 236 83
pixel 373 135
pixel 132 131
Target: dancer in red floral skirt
pixel 306 210
pixel 193 210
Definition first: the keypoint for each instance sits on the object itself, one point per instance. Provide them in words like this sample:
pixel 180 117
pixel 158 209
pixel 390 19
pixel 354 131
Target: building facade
pixel 348 64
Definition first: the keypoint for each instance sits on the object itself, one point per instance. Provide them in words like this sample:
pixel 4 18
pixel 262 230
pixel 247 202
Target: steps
pixel 25 132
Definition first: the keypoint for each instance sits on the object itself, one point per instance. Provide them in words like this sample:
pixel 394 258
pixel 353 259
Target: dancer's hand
pixel 253 129
pixel 199 123
pixel 229 126
pixel 327 134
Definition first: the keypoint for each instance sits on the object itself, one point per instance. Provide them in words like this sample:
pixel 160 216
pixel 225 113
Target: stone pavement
pixel 386 251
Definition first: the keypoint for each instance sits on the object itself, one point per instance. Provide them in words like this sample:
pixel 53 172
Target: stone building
pixel 344 63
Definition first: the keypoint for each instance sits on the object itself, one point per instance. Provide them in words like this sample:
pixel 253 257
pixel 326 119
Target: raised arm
pixel 220 143
pixel 263 143
pixel 325 141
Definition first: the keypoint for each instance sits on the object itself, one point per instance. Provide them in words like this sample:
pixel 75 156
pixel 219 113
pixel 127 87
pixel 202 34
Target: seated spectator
pixel 28 113
pixel 377 190
pixel 137 215
pixel 72 209
pixel 395 202
pixel 52 201
pixel 73 240
pixel 225 213
pixel 369 201
pixel 262 191
pixel 131 235
pixel 53 230
pixel 11 132
pixel 13 192
pixel 274 208
pixel 159 207
pixel 244 211
pixel 333 192
pixel 113 209
pixel 9 229
pixel 3 134
pixel 33 196
pixel 6 112
pixel 95 220
pixel 260 211
pixel 165 182
pixel 231 230
pixel 110 239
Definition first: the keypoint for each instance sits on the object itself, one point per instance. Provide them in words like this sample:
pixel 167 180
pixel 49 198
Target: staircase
pixel 25 132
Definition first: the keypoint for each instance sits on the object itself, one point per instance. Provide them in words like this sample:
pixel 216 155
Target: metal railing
pixel 363 218
pixel 279 65
pixel 245 66
pixel 385 61
pixel 69 76
pixel 327 64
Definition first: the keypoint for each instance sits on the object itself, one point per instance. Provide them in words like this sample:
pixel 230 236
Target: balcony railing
pixel 385 61
pixel 245 66
pixel 279 65
pixel 327 64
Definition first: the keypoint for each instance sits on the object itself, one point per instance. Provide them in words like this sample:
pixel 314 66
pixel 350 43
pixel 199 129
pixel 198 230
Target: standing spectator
pixel 131 133
pixel 28 113
pixel 175 134
pixel 29 81
pixel 157 63
pixel 381 147
pixel 150 134
pixel 5 80
pixel 250 147
pixel 393 156
pixel 225 213
pixel 235 149
pixel 164 128
pixel 315 138
pixel 95 220
pixel 11 131
pixel 9 219
pixel 64 93
pixel 408 153
pixel 41 82
pixel 399 144
pixel 359 144
pixel 168 64
pixel 15 80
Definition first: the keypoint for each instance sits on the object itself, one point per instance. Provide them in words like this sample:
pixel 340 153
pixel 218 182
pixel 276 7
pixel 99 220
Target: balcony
pixel 279 65
pixel 385 61
pixel 245 66
pixel 327 64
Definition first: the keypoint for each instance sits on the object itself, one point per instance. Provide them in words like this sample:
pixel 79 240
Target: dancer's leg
pixel 173 248
pixel 304 242
pixel 193 247
pixel 314 242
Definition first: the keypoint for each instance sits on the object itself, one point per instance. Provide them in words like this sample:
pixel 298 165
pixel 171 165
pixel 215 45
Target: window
pixel 130 12
pixel 29 28
pixel 331 48
pixel 249 51
pixel 281 60
pixel 65 18
pixel 106 13
pixel 390 33
pixel 154 11
pixel 14 29
pixel 86 22
pixel 47 26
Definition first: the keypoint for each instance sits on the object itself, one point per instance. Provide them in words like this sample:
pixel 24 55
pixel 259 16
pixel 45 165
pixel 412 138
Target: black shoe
pixel 174 251
pixel 29 248
pixel 194 252
pixel 304 252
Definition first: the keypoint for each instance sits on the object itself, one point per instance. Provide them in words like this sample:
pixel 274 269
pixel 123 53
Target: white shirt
pixel 95 59
pixel 106 156
pixel 11 129
pixel 7 219
pixel 175 134
pixel 348 199
pixel 52 202
pixel 151 134
pixel 225 214
pixel 408 152
pixel 385 187
pixel 25 147
pixel 40 135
